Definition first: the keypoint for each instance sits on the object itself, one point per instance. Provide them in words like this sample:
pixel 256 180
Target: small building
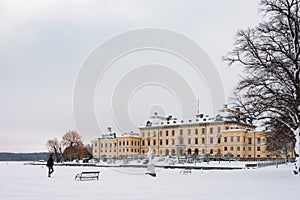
pixel 112 146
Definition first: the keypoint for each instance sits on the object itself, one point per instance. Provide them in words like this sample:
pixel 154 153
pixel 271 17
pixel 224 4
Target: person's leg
pixel 49 171
pixel 52 170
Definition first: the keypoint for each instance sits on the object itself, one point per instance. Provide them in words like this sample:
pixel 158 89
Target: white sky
pixel 44 43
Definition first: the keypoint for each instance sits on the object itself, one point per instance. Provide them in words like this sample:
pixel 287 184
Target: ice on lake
pixel 19 181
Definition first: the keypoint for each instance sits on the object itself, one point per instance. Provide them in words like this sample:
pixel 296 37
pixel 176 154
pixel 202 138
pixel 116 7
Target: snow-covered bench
pixel 88 175
pixel 186 171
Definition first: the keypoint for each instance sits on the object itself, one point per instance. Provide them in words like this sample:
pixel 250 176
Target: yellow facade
pixel 186 139
pixel 166 136
pixel 116 147
pixel 246 144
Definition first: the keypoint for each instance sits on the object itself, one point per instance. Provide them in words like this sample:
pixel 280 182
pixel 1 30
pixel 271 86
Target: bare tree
pixel 77 151
pixel 280 139
pixel 54 146
pixel 71 138
pixel 269 53
pixel 74 146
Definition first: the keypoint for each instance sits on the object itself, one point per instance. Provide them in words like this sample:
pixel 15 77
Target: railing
pixel 270 163
pixel 266 163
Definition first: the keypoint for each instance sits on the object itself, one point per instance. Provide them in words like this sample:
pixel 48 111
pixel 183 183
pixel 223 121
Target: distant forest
pixel 23 156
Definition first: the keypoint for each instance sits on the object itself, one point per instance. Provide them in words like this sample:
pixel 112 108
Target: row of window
pixel 180 141
pixel 189 132
pixel 238 148
pixel 120 150
pixel 238 139
pixel 121 143
pixel 172 152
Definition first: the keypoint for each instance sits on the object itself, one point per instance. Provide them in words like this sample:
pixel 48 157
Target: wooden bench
pixel 186 171
pixel 87 175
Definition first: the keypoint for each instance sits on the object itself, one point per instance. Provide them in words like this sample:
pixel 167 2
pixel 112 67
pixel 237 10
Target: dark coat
pixel 50 162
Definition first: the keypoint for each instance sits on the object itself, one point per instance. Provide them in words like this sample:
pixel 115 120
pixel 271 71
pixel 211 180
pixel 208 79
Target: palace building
pixel 227 134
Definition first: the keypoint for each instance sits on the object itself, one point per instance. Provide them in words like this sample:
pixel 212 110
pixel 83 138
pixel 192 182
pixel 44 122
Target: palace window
pixel 225 139
pixel 249 140
pixel 173 152
pixel 181 141
pixel 258 140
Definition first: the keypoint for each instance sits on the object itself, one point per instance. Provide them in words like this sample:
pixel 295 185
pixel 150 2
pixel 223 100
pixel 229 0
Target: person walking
pixel 50 164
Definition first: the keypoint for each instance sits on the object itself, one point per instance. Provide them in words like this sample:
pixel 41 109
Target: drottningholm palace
pixel 227 134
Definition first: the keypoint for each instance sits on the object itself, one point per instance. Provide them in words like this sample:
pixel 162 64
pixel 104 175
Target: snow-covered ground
pixel 18 181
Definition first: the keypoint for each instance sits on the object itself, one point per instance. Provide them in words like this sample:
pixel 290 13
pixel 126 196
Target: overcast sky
pixel 44 43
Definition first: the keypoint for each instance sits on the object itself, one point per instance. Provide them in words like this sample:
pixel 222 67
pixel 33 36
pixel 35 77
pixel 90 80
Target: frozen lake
pixel 18 181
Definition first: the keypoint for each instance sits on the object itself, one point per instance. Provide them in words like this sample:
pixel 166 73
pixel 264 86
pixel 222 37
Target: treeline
pixel 23 156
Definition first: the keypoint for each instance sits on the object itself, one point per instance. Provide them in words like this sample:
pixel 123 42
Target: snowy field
pixel 18 181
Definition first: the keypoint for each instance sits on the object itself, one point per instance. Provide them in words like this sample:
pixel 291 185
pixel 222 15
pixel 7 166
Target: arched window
pixel 196 151
pixel 167 152
pixel 173 152
pixel 189 151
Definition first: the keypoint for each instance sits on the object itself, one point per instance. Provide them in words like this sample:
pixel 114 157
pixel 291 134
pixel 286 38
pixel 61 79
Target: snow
pixel 18 181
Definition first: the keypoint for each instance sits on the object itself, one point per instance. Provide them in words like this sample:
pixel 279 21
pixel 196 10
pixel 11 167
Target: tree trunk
pixel 297 152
